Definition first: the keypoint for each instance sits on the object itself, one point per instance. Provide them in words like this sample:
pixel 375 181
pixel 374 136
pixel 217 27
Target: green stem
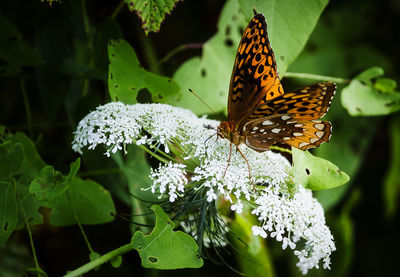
pixel 281 149
pixel 27 108
pixel 158 157
pixel 37 267
pixel 316 77
pixel 117 9
pixel 100 260
pixel 79 224
pixel 179 49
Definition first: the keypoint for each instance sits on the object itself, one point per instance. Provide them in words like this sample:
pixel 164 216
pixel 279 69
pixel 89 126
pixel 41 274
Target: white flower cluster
pixel 289 218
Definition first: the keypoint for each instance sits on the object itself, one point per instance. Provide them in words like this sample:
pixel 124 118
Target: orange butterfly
pixel 260 114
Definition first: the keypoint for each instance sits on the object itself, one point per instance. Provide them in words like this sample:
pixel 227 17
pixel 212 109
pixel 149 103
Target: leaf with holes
pixel 288 37
pixel 371 95
pixel 152 12
pixel 165 249
pixel 316 173
pixel 209 75
pixel 126 78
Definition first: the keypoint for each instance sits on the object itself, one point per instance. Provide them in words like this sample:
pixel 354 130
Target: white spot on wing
pixel 297 134
pixel 285 117
pixel 276 130
pixel 319 126
pixel 319 134
pixel 267 122
pixel 302 144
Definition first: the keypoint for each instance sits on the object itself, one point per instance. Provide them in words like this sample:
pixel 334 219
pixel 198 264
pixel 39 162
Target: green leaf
pixel 152 12
pixel 316 173
pixel 14 52
pixel 392 178
pixel 253 255
pixel 8 210
pixel 165 249
pixel 48 185
pixel 290 23
pixel 363 97
pixel 91 203
pixel 209 75
pixel 371 73
pixel 126 78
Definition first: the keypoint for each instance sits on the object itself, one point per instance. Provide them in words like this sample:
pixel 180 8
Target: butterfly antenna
pixel 195 94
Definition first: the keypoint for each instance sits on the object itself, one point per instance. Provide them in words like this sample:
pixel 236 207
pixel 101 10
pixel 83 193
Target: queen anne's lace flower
pixel 289 218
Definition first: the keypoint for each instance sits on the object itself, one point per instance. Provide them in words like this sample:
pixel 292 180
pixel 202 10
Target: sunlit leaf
pixel 164 248
pixel 362 98
pixel 253 255
pixel 287 36
pixel 316 173
pixel 152 12
pixel 126 78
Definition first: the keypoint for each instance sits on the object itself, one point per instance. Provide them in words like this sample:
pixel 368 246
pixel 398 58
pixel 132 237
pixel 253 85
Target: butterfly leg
pixel 229 159
pixel 248 167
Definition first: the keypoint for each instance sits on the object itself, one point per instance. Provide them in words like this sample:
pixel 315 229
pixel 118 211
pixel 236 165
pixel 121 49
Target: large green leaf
pixel 86 199
pixel 316 173
pixel 19 164
pixel 290 23
pixel 152 12
pixel 253 255
pixel 209 75
pixel 126 78
pixel 164 248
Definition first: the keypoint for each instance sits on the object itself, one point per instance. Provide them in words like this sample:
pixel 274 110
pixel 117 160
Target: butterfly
pixel 260 114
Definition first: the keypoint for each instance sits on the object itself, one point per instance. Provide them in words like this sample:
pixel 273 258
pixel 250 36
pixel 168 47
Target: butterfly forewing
pixel 254 75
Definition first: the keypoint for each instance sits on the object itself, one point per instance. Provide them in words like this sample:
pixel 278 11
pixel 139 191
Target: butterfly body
pixel 260 114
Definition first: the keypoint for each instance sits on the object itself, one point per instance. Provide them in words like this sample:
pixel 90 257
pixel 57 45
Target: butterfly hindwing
pixel 297 132
pixel 254 75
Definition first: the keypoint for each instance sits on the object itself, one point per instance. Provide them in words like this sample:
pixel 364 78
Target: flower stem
pixel 316 77
pixel 281 149
pixel 79 224
pixel 37 268
pixel 100 260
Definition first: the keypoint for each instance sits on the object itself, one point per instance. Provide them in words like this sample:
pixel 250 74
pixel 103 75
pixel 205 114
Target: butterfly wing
pixel 292 118
pixel 254 76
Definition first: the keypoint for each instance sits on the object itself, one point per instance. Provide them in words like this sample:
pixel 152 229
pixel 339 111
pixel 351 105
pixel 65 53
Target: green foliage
pixel 152 12
pixel 126 78
pixel 371 95
pixel 165 248
pixel 253 257
pixel 290 23
pixel 14 51
pixel 316 173
pixel 391 188
pixel 209 75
